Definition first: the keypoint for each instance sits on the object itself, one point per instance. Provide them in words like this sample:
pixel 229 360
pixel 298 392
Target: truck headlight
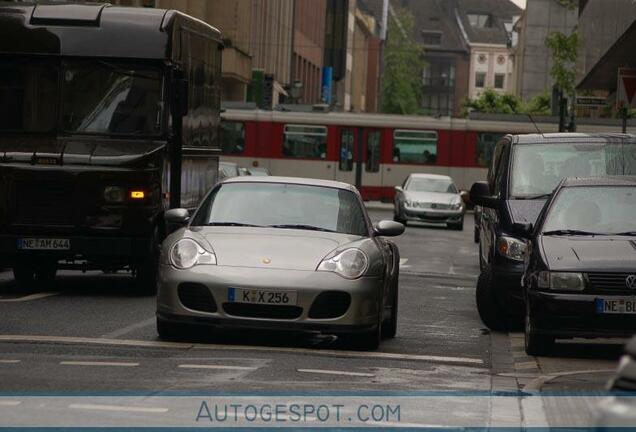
pixel 561 281
pixel 511 248
pixel 114 194
pixel 350 264
pixel 186 253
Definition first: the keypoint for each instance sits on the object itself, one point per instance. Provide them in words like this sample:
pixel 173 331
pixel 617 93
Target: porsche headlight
pixel 511 248
pixel 186 253
pixel 350 264
pixel 561 281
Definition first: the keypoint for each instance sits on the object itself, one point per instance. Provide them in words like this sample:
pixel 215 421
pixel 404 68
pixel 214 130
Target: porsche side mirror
pixel 388 228
pixel 480 195
pixel 178 216
pixel 523 230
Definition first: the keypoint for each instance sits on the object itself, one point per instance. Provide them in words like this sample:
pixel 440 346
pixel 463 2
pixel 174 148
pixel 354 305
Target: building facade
pixel 532 56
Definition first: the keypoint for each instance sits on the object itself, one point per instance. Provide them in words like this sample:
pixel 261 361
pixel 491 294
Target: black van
pixel 525 170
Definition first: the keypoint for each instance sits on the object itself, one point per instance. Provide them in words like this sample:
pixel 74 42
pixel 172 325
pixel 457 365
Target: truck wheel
pixel 535 344
pixel 24 275
pixel 490 313
pixel 147 268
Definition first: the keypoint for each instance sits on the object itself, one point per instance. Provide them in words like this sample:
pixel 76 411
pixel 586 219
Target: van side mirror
pixel 523 230
pixel 398 189
pixel 180 97
pixel 480 195
pixel 177 216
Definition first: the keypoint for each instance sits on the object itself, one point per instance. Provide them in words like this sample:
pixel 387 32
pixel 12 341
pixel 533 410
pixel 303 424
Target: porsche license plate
pixel 44 244
pixel 616 306
pixel 238 295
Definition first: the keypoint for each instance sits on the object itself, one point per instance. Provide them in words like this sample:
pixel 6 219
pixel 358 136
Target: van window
pixel 412 146
pixel 303 141
pixel 538 168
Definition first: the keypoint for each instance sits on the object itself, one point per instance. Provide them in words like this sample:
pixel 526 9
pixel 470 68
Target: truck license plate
pixel 43 244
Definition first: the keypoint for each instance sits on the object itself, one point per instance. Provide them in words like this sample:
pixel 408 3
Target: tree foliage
pixel 403 66
pixel 493 102
pixel 564 51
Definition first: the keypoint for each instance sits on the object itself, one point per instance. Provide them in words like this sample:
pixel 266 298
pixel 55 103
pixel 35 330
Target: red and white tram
pixel 375 152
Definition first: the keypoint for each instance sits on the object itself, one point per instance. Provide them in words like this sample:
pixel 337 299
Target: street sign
pixel 626 88
pixel 591 101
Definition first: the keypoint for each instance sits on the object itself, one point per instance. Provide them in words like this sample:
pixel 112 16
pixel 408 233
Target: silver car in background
pixel 280 253
pixel 429 198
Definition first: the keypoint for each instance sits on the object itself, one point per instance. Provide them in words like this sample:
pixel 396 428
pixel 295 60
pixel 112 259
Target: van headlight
pixel 511 248
pixel 561 281
pixel 350 264
pixel 186 253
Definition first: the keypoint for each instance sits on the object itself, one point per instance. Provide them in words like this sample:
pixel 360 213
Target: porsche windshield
pixel 285 206
pixel 538 168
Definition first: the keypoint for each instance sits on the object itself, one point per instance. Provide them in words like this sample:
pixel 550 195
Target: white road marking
pixel 215 347
pixel 219 367
pixel 334 372
pixel 29 297
pixel 131 328
pixel 451 270
pixel 97 363
pixel 403 262
pixel 7 361
pixel 118 408
pixel 9 403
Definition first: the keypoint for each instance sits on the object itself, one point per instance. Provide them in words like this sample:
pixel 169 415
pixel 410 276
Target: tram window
pixel 302 141
pixel 232 137
pixel 346 150
pixel 418 147
pixel 373 152
pixel 485 147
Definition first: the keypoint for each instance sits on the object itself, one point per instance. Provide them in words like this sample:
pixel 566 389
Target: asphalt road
pixel 88 333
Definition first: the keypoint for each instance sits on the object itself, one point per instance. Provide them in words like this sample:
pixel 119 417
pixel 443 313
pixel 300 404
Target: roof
pixel 500 11
pixel 569 138
pixel 293 180
pixel 430 176
pixel 599 181
pixel 90 29
pixel 436 16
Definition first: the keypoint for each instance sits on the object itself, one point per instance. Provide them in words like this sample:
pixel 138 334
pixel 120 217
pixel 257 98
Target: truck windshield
pixel 29 95
pixel 538 168
pixel 101 97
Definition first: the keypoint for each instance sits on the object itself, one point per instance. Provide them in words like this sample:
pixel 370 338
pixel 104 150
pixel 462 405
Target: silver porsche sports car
pixel 429 198
pixel 280 253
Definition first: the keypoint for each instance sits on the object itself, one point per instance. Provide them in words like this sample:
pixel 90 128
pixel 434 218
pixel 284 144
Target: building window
pixel 346 150
pixel 479 20
pixel 480 79
pixel 486 143
pixel 418 147
pixel 373 152
pixel 232 137
pixel 500 81
pixel 431 38
pixel 303 141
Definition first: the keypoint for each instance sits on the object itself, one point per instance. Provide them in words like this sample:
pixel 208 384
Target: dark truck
pixel 108 117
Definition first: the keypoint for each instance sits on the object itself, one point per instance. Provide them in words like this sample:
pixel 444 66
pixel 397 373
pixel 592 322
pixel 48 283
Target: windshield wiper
pixel 570 232
pixel 626 233
pixel 128 73
pixel 533 197
pixel 301 227
pixel 233 224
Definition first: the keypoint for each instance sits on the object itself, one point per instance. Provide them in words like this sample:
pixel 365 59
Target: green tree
pixel 564 51
pixel 403 66
pixel 539 105
pixel 495 103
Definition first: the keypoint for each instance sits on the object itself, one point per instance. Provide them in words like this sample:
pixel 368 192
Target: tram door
pixel 359 158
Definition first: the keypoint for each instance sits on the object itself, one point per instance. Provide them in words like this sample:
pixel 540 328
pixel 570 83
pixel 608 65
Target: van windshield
pixel 538 168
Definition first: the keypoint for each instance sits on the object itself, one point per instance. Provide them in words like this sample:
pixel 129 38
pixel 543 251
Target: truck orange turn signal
pixel 137 195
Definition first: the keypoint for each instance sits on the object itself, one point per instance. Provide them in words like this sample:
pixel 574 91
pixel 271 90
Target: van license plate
pixel 44 244
pixel 616 306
